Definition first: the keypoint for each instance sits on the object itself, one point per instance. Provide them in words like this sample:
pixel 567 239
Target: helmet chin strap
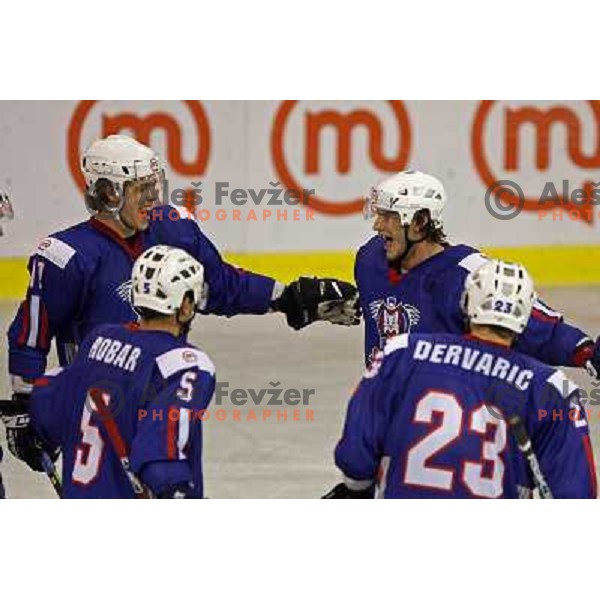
pixel 409 244
pixel 116 211
pixel 129 230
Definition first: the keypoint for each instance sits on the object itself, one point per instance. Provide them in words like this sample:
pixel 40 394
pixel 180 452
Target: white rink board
pixel 239 149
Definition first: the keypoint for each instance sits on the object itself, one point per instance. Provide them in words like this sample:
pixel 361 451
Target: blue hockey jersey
pixel 427 299
pixel 156 388
pixel 81 278
pixel 431 421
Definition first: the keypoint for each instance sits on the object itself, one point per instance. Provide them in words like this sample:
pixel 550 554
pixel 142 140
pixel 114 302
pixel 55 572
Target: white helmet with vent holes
pixel 499 293
pixel 120 159
pixel 406 193
pixel 161 277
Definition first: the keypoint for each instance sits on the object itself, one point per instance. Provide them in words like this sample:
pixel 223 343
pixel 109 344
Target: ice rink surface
pixel 267 458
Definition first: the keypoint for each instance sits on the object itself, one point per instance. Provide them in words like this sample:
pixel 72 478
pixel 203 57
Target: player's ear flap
pixel 100 195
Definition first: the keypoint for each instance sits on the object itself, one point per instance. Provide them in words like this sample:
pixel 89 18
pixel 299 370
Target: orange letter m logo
pixel 543 122
pixel 344 125
pixel 142 128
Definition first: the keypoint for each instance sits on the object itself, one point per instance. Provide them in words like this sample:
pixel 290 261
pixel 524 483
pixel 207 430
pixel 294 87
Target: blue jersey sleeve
pixel 50 307
pixel 548 338
pixel 560 437
pixel 47 407
pixel 232 291
pixel 359 451
pixel 167 445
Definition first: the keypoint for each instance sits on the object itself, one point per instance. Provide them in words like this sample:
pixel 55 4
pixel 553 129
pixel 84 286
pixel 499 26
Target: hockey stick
pixel 6 407
pixel 118 444
pixel 51 472
pixel 524 444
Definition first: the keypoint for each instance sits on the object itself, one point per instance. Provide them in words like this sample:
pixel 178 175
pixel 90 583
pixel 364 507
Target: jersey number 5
pixel 483 479
pixel 90 450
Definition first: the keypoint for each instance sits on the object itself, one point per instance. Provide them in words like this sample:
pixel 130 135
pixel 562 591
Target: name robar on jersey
pixel 432 421
pixel 427 299
pixel 155 387
pixel 81 277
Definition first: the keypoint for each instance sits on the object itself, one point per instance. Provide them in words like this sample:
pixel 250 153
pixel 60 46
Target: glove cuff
pixel 583 353
pixel 21 385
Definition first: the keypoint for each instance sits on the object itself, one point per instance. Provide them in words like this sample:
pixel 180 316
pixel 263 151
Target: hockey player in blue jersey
pixel 80 277
pixel 140 380
pixel 435 417
pixel 411 280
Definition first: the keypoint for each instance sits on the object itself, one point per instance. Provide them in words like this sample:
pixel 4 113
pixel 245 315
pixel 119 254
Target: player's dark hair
pixel 434 234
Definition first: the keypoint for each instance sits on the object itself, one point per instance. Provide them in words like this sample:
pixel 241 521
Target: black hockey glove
pixel 22 440
pixel 310 299
pixel 179 491
pixel 342 492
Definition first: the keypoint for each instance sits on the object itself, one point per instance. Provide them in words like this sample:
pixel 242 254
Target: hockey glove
pixel 22 440
pixel 342 492
pixel 180 491
pixel 593 364
pixel 587 355
pixel 310 299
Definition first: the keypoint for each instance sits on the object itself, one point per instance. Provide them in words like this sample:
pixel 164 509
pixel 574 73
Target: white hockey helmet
pixel 406 193
pixel 119 159
pixel 499 293
pixel 162 275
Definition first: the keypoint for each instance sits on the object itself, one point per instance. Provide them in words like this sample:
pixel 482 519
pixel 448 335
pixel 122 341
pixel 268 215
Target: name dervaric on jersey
pixel 471 359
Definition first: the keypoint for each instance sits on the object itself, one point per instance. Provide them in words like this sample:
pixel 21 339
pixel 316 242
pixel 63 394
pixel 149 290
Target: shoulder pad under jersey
pixel 180 359
pixel 56 251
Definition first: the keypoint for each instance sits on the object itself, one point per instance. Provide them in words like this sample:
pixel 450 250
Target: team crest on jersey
pixel 124 291
pixel 393 317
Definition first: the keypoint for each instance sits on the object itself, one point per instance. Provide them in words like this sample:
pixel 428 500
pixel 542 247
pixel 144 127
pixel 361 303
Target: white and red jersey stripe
pixel 543 312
